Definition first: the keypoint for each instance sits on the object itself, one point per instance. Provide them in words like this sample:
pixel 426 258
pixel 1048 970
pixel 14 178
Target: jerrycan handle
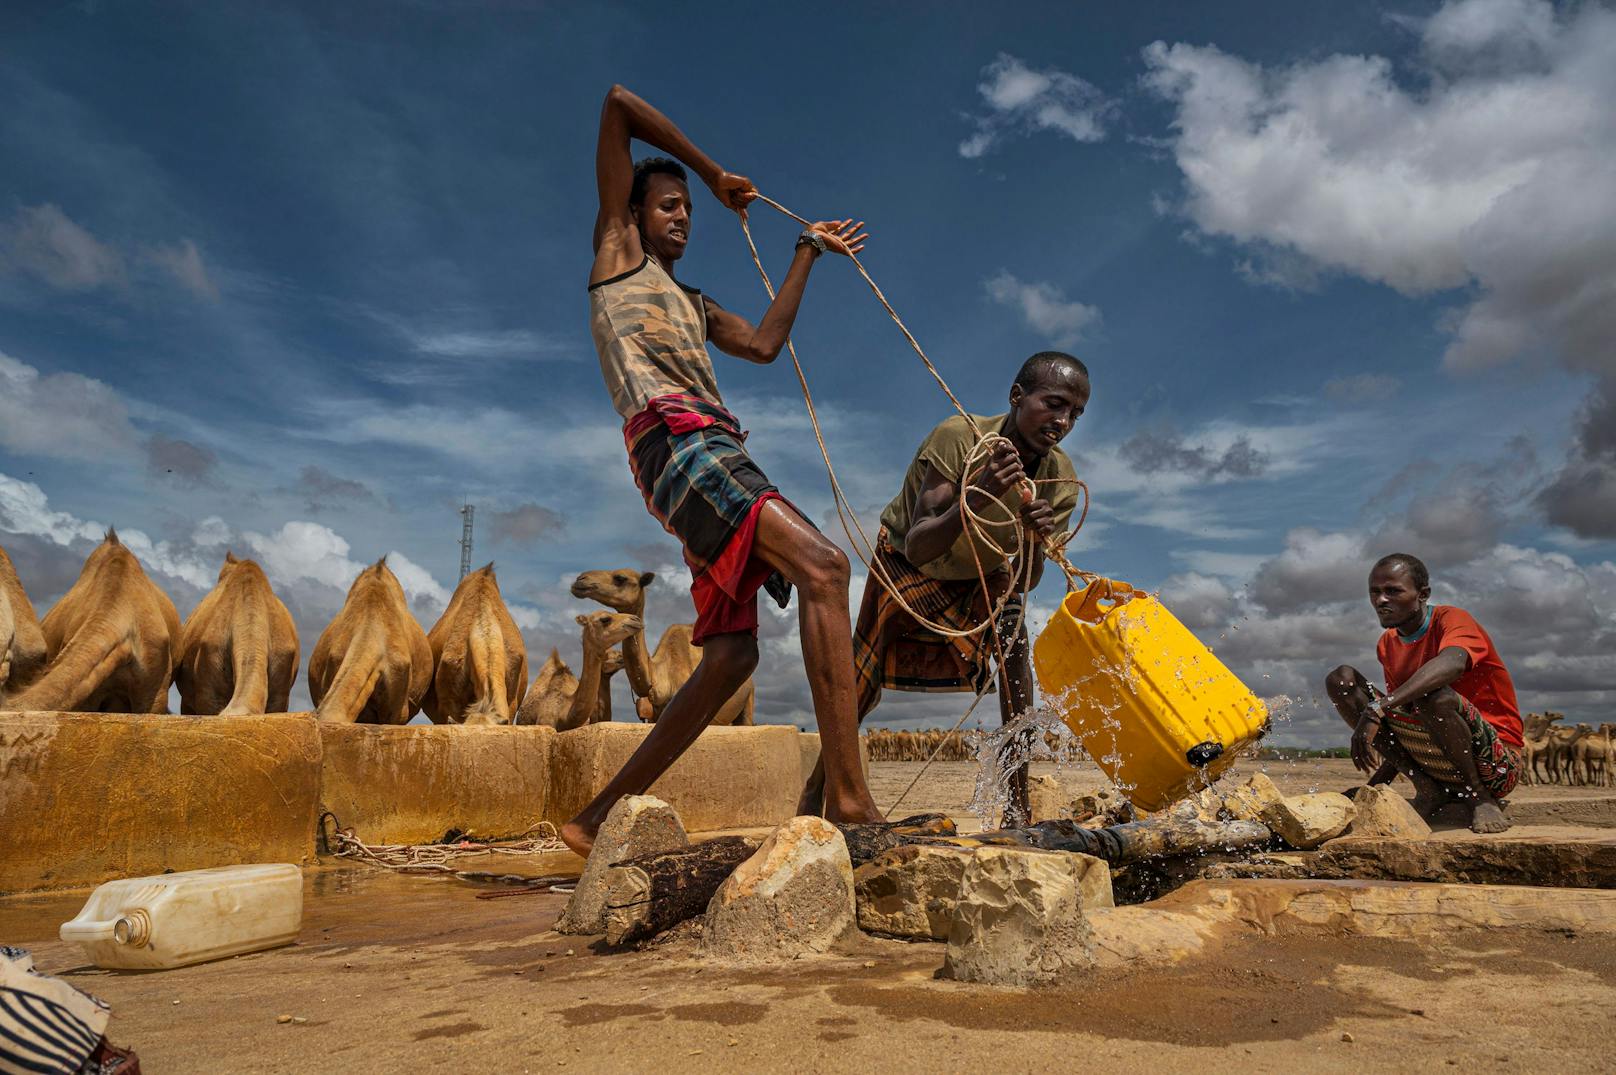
pixel 1109 592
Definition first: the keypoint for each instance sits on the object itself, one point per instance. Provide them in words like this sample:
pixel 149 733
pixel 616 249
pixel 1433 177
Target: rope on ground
pixel 433 858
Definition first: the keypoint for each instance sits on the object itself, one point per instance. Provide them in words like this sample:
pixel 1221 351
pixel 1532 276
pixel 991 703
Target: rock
pixel 911 891
pixel 283 1019
pixel 1380 811
pixel 1247 800
pixel 793 897
pixel 1020 919
pixel 637 825
pixel 1306 821
pixel 1047 801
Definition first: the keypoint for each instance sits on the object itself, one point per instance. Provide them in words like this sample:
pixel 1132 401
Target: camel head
pixel 622 589
pixel 603 629
pixel 612 663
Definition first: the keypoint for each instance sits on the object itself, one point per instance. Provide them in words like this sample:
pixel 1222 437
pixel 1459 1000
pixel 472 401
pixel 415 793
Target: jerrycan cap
pixel 1108 592
pixel 1203 754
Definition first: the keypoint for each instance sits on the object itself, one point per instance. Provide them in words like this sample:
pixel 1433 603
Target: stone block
pixel 1046 800
pixel 1381 812
pixel 730 778
pixel 1306 821
pixel 88 797
pixel 1247 799
pixel 637 825
pixel 1019 920
pixel 793 897
pixel 413 783
pixel 911 891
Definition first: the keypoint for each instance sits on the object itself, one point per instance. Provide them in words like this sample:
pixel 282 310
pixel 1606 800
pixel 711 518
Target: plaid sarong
pixel 920 660
pixel 1499 766
pixel 690 464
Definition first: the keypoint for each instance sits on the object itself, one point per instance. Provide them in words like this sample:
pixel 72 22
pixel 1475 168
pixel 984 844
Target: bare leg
pixel 726 661
pixel 1441 713
pixel 819 571
pixel 1352 693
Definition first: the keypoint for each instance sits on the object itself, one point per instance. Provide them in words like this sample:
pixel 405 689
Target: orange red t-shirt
pixel 1486 684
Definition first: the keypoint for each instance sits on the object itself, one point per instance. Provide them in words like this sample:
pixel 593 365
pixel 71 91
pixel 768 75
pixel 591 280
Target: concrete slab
pixel 412 784
pixel 731 778
pixel 1204 914
pixel 87 797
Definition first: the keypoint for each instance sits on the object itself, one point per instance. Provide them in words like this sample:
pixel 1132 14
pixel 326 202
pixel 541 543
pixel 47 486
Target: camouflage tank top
pixel 650 332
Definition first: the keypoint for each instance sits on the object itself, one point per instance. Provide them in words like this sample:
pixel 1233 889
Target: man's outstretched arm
pixel 763 342
pixel 623 118
pixel 1440 671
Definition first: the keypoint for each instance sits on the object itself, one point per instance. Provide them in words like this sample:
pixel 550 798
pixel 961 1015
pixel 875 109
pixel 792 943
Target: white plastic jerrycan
pixel 176 919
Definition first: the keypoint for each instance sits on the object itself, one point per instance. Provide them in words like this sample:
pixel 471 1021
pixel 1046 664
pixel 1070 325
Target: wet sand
pixel 398 973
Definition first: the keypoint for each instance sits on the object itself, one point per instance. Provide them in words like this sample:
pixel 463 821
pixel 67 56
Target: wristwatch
pixel 812 238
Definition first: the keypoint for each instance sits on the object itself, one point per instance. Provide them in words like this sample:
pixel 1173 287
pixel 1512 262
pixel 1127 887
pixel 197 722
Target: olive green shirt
pixel 945 450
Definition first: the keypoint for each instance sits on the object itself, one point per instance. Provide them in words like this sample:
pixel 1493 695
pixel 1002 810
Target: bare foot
pixel 579 838
pixel 1488 817
pixel 1428 806
pixel 858 812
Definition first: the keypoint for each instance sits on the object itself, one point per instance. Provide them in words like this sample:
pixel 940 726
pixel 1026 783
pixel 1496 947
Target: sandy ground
pixel 399 973
pixel 948 787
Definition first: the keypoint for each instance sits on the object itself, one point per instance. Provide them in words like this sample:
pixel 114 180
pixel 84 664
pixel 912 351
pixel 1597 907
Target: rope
pixel 974 522
pixel 432 858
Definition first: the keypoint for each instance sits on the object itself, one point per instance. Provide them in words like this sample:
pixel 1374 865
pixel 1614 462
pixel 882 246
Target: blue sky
pixel 295 281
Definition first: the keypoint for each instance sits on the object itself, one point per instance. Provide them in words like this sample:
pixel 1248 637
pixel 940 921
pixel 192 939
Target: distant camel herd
pixel 1555 754
pixel 886 744
pixel 114 643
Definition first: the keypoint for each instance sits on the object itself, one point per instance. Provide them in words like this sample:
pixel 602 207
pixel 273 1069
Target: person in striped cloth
pixel 1448 719
pixel 51 1028
pixel 688 454
pixel 930 558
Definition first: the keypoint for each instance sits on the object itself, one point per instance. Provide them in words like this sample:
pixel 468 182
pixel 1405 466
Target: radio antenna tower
pixel 466 513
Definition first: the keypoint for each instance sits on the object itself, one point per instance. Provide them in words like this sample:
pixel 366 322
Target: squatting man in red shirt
pixel 1448 719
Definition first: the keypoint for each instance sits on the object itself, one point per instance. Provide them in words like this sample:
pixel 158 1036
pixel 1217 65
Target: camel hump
pixel 487 569
pixel 112 536
pixel 230 557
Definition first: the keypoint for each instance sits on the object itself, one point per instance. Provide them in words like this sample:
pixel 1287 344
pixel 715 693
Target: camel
pixel 372 664
pixel 111 640
pixel 239 648
pixel 655 678
pixel 1591 750
pixel 22 643
pixel 555 698
pixel 479 657
pixel 1535 741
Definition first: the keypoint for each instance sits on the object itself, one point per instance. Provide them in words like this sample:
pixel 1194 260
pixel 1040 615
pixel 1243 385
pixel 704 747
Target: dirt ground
pixel 403 973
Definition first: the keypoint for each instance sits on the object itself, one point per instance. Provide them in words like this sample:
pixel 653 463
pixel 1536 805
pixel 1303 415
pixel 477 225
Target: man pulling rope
pixel 688 454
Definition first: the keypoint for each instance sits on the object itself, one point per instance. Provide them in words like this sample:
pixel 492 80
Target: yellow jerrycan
pixel 1151 705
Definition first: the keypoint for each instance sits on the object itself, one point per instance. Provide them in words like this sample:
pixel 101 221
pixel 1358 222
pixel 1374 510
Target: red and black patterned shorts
pixel 1498 765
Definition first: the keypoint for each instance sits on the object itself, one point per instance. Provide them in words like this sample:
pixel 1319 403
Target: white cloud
pixel 418 583
pixel 24 509
pixel 305 550
pixel 1044 306
pixel 43 242
pixel 1025 100
pixel 1492 175
pixel 61 415
pixel 1497 175
pixel 184 262
pixel 211 531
